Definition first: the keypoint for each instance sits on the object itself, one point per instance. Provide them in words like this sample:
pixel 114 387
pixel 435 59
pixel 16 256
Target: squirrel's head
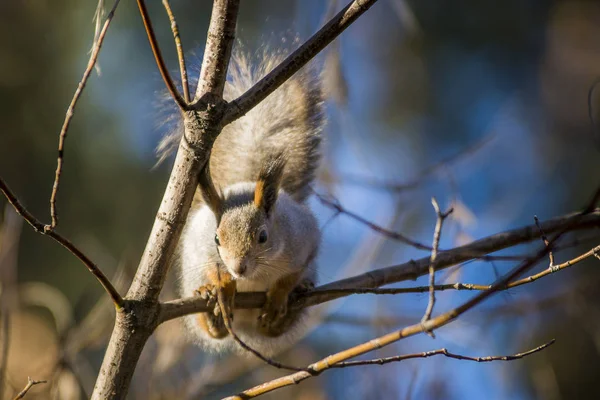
pixel 243 234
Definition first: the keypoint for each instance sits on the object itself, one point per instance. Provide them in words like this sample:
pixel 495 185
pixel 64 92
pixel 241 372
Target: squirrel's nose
pixel 239 267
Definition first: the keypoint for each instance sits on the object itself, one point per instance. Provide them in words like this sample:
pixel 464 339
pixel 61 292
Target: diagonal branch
pixel 70 111
pixel 296 60
pixel 43 229
pixel 335 204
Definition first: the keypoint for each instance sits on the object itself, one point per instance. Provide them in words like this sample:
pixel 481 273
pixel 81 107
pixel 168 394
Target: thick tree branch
pixel 296 60
pixel 408 271
pixel 202 125
pixel 39 227
pixel 71 110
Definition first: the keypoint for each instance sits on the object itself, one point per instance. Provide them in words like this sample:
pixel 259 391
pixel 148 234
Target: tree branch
pixel 364 283
pixel 30 384
pixel 296 60
pixel 202 125
pixel 39 227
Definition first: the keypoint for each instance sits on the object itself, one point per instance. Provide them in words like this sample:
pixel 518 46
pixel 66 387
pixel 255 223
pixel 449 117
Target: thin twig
pixel 39 227
pixel 71 110
pixel 296 60
pixel 160 62
pixel 335 204
pixel 30 384
pixel 443 352
pixel 202 125
pixel 459 286
pixel 437 234
pixel 545 240
pixel 180 55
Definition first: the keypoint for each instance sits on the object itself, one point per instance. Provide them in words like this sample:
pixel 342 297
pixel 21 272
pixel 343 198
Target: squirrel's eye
pixel 262 236
pixel 217 241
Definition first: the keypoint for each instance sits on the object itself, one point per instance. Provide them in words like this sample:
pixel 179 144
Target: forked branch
pixel 40 227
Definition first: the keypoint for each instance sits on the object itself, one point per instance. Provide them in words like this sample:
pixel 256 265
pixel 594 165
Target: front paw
pixel 273 314
pixel 306 285
pixel 209 293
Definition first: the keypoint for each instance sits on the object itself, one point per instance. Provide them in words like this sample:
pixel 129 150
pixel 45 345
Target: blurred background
pixel 482 104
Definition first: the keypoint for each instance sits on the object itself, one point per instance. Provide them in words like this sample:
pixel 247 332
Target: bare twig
pixel 41 228
pixel 30 384
pixel 180 55
pixel 221 34
pixel 545 240
pixel 443 352
pixel 334 204
pixel 70 111
pixel 296 60
pixel 160 62
pixel 437 234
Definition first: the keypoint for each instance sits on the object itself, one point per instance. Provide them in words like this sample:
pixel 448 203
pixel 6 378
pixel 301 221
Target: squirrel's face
pixel 243 241
pixel 242 237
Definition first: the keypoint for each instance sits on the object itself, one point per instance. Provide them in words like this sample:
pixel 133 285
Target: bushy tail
pixel 288 121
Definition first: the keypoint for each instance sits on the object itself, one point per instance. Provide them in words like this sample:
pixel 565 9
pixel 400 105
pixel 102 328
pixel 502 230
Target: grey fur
pixel 288 121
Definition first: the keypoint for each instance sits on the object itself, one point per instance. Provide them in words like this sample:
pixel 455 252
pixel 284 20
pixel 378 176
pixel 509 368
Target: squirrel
pixel 250 228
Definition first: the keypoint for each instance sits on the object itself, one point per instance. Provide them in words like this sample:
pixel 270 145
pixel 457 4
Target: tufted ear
pixel 268 184
pixel 209 192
